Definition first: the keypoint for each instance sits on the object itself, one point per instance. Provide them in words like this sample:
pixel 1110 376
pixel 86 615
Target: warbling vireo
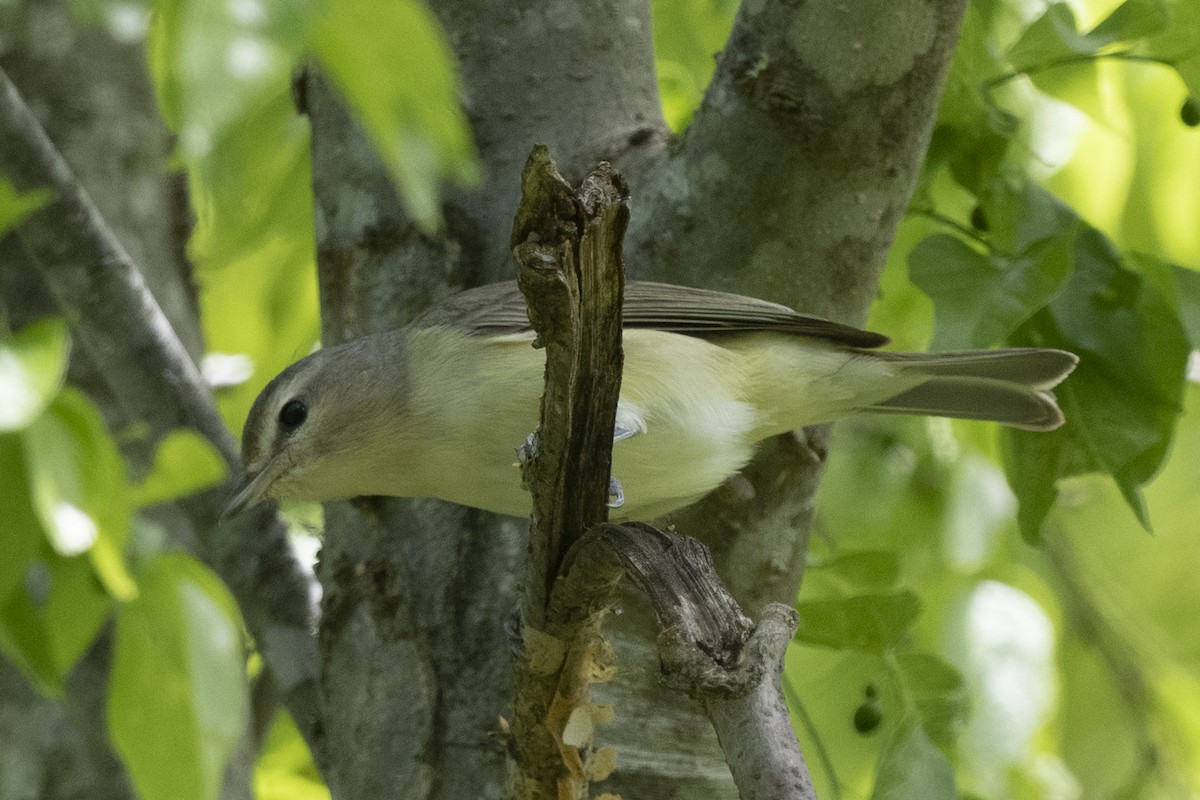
pixel 437 408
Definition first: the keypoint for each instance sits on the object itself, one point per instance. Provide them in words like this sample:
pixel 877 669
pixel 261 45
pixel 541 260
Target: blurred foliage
pixel 1051 211
pixel 70 566
pixel 940 655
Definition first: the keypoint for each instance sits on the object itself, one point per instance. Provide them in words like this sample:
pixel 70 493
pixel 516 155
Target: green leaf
pixel 253 188
pixel 1123 400
pixel 1187 283
pixel 1177 44
pixel 392 64
pixel 1133 19
pixel 213 62
pixel 1032 464
pixel 21 532
pixel 938 692
pixel 1052 36
pixel 865 569
pixel 177 696
pixel 33 362
pixel 78 485
pixel 1079 82
pixel 872 622
pixel 1055 35
pixel 686 34
pixel 16 207
pixel 911 768
pixel 1022 214
pixel 184 464
pixel 980 299
pixel 285 769
pixel 51 618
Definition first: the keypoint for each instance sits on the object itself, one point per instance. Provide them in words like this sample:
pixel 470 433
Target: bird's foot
pixel 616 494
pixel 525 452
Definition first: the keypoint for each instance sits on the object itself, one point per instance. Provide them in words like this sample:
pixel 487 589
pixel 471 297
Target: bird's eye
pixel 293 414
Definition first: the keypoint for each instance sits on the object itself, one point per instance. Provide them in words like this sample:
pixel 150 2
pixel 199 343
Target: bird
pixel 437 408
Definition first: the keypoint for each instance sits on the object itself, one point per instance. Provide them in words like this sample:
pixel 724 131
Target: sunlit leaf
pixel 253 188
pixel 75 609
pixel 874 622
pixel 911 768
pixel 1178 45
pixel 213 62
pixel 1055 35
pixel 78 485
pixel 184 463
pixel 686 35
pixel 33 362
pixel 413 116
pixel 285 769
pixel 177 699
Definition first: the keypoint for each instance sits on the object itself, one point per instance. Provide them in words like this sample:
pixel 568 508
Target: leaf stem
pixel 972 234
pixel 1066 61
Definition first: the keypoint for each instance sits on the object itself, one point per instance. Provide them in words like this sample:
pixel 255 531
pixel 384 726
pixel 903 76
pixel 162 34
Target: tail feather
pixel 1011 386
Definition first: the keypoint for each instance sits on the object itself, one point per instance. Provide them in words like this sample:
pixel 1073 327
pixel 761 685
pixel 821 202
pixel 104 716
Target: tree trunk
pixel 788 185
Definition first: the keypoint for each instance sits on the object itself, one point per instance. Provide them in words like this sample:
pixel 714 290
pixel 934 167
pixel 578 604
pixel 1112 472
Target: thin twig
pixel 797 704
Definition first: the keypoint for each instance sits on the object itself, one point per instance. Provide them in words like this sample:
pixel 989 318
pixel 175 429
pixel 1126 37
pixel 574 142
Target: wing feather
pixel 499 309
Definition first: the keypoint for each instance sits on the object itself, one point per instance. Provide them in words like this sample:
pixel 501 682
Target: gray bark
pixel 576 77
pixel 788 186
pixel 414 654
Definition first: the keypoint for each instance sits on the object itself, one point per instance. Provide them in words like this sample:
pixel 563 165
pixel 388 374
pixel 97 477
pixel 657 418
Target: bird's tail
pixel 1010 386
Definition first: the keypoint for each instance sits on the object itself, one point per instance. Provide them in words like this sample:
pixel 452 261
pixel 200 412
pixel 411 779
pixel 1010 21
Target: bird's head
pixel 314 431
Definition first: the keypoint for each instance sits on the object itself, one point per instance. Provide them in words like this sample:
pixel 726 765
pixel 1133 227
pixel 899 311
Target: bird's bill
pixel 251 492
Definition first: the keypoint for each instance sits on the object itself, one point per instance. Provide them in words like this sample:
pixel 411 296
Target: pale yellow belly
pixel 692 434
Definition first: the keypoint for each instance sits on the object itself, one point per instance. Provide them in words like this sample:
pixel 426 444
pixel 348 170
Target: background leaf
pixel 938 693
pixel 1125 397
pixel 180 643
pixel 874 622
pixel 911 768
pixel 184 463
pixel 33 362
pixel 414 119
pixel 78 485
pixel 15 207
pixel 980 299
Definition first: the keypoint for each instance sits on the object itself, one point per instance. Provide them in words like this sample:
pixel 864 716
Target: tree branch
pixel 570 267
pixel 125 334
pixel 711 650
